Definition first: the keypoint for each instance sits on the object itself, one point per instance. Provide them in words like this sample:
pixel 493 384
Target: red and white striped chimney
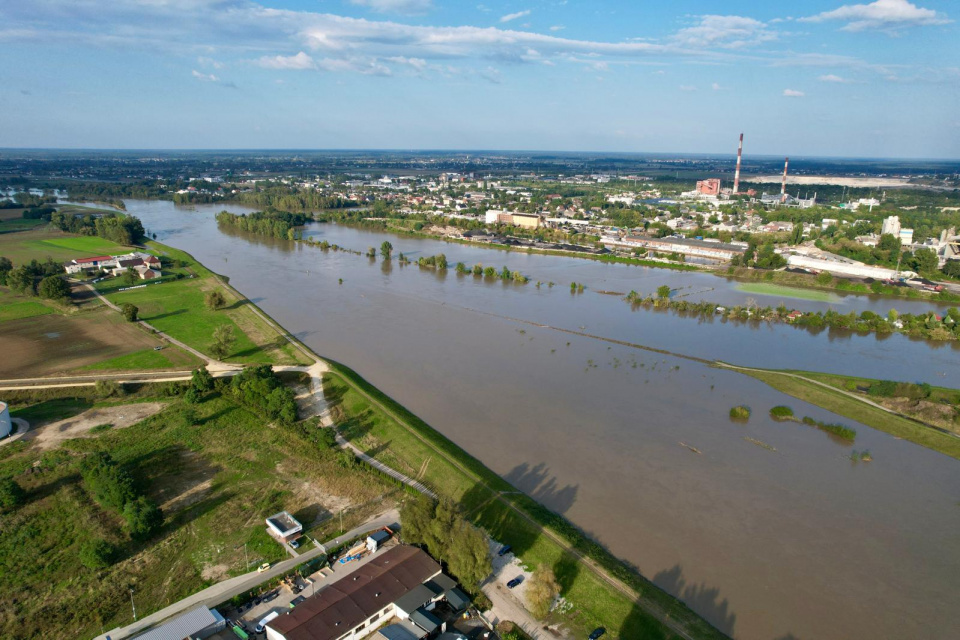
pixel 736 176
pixel 783 187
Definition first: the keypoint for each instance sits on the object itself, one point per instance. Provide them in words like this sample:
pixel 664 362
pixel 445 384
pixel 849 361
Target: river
pixel 796 542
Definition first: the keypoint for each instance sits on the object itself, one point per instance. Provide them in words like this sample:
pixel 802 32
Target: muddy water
pixel 794 542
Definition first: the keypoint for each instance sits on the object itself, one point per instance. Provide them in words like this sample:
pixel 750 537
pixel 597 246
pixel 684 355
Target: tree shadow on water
pixel 536 483
pixel 704 600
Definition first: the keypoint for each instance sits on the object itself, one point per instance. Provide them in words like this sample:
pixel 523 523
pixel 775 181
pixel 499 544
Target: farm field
pixel 768 289
pixel 41 244
pixel 215 469
pixel 177 307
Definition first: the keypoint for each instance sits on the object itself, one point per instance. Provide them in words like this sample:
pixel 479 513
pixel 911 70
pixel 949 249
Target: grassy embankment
pixel 782 291
pixel 215 468
pixel 177 307
pixel 383 428
pixel 802 385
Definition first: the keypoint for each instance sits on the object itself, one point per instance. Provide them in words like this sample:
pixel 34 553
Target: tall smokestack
pixel 736 176
pixel 783 187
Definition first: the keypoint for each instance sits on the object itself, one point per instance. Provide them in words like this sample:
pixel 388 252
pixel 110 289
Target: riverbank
pixel 810 388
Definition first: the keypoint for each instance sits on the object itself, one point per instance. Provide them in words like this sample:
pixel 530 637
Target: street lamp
pixel 132 605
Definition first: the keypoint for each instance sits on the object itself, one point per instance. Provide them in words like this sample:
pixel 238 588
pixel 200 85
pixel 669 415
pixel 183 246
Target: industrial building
pixel 6 424
pixel 709 187
pixel 892 227
pixel 403 583
pixel 845 268
pixel 199 623
pixel 525 220
pixel 714 250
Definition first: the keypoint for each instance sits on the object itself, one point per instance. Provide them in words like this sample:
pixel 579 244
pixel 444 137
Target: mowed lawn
pixel 781 291
pixel 41 244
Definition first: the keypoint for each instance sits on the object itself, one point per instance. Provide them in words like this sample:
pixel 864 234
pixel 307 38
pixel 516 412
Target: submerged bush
pixel 781 412
pixel 740 412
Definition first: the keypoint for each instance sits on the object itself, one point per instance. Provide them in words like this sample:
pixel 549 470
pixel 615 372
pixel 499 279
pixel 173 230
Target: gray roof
pixel 457 599
pixel 185 626
pixel 441 584
pixel 425 620
pixel 416 598
pixel 379 536
pixel 396 632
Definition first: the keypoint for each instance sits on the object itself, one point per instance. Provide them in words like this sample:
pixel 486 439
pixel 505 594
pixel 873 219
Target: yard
pixel 215 469
pixel 41 244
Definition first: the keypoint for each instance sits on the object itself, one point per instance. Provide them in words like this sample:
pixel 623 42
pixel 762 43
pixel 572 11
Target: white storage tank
pixel 6 425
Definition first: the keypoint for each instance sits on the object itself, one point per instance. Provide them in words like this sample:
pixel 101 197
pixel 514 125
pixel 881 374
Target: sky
pixel 805 78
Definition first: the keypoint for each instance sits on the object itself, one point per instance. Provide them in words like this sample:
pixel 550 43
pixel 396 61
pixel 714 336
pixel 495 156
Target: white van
pixel 267 618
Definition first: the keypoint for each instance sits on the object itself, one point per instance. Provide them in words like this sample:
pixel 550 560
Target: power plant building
pixel 709 187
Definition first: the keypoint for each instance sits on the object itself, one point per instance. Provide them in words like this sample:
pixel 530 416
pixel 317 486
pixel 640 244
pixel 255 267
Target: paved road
pixel 222 591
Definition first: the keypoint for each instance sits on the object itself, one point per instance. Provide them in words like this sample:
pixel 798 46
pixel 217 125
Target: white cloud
pixel 728 32
pixel 299 62
pixel 209 62
pixel 887 15
pixel 793 93
pixel 491 74
pixel 832 78
pixel 204 77
pixel 716 86
pixel 410 7
pixel 557 27
pixel 514 16
pixel 687 87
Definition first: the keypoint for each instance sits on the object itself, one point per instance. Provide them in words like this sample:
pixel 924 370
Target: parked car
pixel 263 567
pixel 271 596
pixel 294 544
pixel 514 582
pixel 262 625
pixel 504 550
pixel 296 601
pixel 599 631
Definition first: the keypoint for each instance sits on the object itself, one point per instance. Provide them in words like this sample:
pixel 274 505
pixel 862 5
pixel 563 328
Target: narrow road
pixel 223 591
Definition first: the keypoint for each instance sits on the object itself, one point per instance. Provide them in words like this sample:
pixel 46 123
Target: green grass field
pixel 594 601
pixel 148 359
pixel 216 469
pixel 43 243
pixel 781 291
pixel 25 309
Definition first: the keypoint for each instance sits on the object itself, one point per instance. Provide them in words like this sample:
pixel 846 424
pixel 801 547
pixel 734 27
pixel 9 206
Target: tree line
pixel 114 227
pixel 272 223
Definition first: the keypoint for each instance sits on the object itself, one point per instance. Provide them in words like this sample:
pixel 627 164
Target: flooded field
pixel 770 531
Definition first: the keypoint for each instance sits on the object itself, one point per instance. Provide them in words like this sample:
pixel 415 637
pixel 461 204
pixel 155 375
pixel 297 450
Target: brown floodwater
pixel 786 540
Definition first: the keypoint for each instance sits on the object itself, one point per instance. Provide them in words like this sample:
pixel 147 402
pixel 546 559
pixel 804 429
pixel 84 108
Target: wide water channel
pixel 796 542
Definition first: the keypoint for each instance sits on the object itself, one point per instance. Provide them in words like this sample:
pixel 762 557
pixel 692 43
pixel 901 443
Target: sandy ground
pixel 51 435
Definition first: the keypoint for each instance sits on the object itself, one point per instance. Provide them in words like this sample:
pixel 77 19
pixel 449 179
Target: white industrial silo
pixel 5 423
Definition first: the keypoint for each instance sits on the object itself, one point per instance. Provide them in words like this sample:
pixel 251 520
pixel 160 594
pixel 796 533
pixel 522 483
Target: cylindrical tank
pixel 6 425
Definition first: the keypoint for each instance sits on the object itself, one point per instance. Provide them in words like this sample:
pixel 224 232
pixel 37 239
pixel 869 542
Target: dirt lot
pixel 53 344
pixel 51 435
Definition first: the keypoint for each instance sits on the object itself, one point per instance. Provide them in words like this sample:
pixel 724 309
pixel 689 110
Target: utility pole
pixel 132 605
pixel 246 562
pixel 341 521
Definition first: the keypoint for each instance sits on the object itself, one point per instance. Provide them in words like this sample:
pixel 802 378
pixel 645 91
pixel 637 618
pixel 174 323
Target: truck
pixel 266 619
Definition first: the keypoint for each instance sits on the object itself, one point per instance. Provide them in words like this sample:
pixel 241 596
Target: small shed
pixel 425 620
pixel 376 539
pixel 284 527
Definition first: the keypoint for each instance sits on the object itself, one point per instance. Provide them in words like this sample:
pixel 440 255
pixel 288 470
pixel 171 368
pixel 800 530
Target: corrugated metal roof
pixel 183 627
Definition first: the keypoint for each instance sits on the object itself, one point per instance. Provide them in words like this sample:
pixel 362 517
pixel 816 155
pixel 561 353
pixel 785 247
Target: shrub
pixel 143 517
pixel 129 311
pixel 781 412
pixel 97 554
pixel 215 300
pixel 740 412
pixel 53 288
pixel 106 388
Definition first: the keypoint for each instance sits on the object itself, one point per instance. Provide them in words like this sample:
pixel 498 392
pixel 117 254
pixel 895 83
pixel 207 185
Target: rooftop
pixel 351 600
pixel 283 523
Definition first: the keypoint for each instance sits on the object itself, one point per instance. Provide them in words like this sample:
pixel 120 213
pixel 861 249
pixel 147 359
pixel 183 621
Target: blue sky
pixel 807 78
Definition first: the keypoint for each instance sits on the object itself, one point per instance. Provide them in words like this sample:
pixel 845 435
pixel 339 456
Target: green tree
pixel 53 288
pixel 542 591
pixel 97 554
pixel 21 280
pixel 223 340
pixel 468 553
pixel 130 277
pixel 5 267
pixel 129 311
pixel 202 380
pixel 143 517
pixel 951 268
pixel 824 278
pixel 415 515
pixel 925 261
pixel 441 261
pixel 386 249
pixel 663 291
pixel 12 494
pixel 215 300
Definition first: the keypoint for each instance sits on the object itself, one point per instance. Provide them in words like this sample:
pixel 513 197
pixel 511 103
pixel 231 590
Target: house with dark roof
pixel 356 605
